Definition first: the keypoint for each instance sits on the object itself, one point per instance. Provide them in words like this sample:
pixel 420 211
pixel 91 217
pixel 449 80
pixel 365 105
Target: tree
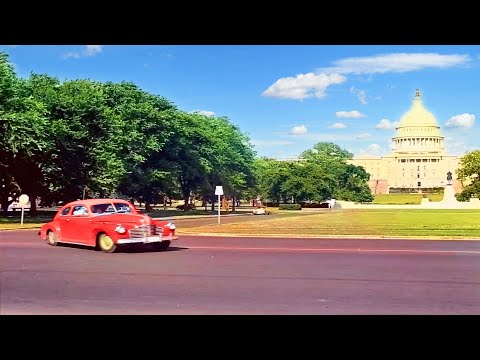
pixel 23 136
pixel 468 173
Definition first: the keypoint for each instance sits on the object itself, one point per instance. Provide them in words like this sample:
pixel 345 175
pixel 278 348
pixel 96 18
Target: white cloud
pixel 328 137
pixel 303 86
pixel 374 150
pixel 268 143
pixel 204 112
pixel 360 94
pixel 463 120
pixel 395 62
pixel 386 124
pixel 363 136
pixel 298 130
pixel 89 50
pixel 349 114
pixel 338 125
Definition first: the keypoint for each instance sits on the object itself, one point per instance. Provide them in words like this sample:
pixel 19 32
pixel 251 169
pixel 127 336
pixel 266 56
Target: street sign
pixel 219 192
pixel 23 200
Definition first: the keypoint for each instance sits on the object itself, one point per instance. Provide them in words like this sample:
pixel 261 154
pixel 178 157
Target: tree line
pixel 62 140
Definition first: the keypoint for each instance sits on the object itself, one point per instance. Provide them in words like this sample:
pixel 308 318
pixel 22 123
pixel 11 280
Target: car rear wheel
pixel 52 238
pixel 162 246
pixel 106 244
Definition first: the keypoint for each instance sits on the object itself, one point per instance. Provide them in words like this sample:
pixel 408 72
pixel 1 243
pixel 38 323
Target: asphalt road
pixel 216 275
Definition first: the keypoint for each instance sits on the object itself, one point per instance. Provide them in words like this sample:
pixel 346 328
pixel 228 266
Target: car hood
pixel 123 218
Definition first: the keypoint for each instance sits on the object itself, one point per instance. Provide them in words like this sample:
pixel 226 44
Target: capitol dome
pixel 418 115
pixel 418 121
pixel 418 130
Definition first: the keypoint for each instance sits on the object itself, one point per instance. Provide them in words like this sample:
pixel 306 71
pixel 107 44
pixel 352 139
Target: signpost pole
pixel 219 209
pixel 23 200
pixel 219 191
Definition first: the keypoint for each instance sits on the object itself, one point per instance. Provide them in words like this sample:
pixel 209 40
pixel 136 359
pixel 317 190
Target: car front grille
pixel 144 231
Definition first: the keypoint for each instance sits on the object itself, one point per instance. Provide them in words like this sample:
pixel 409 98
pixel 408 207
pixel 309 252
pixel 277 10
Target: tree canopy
pixel 62 140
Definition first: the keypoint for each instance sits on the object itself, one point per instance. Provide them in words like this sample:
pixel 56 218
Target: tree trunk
pixel 213 202
pixel 33 205
pixel 186 202
pixel 5 205
pixel 204 202
pixel 148 207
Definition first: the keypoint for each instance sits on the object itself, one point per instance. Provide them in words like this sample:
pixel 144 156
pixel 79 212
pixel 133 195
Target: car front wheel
pixel 52 238
pixel 106 244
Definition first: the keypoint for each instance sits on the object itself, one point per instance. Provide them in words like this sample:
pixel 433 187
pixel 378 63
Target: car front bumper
pixel 146 239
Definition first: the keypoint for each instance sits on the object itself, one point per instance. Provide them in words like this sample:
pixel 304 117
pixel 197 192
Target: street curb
pixel 339 237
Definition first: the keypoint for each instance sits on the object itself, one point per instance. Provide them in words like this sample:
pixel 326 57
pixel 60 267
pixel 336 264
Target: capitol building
pixel 418 160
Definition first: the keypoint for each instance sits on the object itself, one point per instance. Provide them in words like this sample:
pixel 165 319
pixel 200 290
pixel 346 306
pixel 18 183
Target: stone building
pixel 418 160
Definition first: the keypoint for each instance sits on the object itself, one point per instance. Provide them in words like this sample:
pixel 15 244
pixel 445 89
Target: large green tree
pixel 468 172
pixel 24 136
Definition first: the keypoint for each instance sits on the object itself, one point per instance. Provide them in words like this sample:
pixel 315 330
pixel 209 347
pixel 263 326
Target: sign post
pixel 219 192
pixel 22 201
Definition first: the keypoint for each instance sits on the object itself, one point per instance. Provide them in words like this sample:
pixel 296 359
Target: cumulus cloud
pixel 204 112
pixel 386 124
pixel 361 95
pixel 395 63
pixel 298 130
pixel 338 125
pixel 374 150
pixel 461 121
pixel 268 143
pixel 349 114
pixel 363 136
pixel 303 86
pixel 89 50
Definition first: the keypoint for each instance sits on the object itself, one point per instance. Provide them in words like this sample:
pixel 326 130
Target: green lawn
pixel 404 199
pixel 387 222
pixel 409 223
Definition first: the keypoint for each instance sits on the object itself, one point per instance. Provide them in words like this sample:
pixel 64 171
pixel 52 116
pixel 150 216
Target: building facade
pixel 418 159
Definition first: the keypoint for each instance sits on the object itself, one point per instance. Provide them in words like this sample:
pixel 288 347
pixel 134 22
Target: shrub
pixel 290 207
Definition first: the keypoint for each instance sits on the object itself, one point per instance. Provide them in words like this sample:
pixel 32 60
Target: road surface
pixel 217 275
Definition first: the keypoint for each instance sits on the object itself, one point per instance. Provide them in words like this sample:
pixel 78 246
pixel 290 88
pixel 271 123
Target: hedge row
pixel 290 207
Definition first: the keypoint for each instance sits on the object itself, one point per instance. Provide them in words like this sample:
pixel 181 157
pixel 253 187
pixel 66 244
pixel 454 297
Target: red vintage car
pixel 106 224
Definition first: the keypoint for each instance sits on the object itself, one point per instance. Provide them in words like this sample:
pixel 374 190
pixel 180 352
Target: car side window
pixel 122 208
pixel 65 211
pixel 79 210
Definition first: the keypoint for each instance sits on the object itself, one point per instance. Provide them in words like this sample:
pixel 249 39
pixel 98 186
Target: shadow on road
pixel 125 249
pixel 147 249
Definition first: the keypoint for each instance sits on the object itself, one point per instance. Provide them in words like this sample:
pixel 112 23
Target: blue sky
pixel 289 97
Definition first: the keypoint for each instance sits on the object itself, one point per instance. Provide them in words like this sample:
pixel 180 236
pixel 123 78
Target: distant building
pixel 418 160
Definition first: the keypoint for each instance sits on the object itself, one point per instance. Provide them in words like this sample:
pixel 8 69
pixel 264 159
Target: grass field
pixel 377 222
pixel 408 223
pixel 404 199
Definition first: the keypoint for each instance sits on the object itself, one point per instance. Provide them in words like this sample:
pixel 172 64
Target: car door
pixel 63 221
pixel 75 226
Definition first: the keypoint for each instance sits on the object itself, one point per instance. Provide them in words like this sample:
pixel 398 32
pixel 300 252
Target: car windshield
pixel 110 208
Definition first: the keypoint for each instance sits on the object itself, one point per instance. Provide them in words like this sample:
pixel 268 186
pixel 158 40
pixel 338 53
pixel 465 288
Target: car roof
pixel 91 202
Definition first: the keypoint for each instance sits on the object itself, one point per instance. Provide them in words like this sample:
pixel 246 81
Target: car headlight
pixel 120 229
pixel 171 226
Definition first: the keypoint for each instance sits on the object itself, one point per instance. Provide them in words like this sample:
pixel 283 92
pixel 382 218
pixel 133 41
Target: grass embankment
pixel 408 223
pixel 404 199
